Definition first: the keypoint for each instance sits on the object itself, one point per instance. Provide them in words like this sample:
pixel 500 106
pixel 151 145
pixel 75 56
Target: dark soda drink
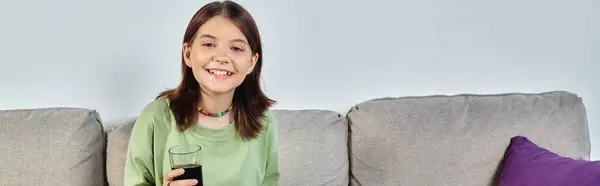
pixel 191 171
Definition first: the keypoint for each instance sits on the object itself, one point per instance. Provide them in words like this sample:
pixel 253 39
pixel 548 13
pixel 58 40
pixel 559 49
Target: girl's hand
pixel 168 181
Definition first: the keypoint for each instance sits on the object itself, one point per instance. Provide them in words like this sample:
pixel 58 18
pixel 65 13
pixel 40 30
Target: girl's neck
pixel 215 103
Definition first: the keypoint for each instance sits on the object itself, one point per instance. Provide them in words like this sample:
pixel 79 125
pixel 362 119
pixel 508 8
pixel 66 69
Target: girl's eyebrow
pixel 213 37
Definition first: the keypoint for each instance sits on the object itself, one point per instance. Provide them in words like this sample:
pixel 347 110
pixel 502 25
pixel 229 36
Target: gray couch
pixel 435 140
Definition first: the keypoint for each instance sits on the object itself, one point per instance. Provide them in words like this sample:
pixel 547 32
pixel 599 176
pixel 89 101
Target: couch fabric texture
pixel 455 140
pixel 51 146
pixel 116 152
pixel 458 140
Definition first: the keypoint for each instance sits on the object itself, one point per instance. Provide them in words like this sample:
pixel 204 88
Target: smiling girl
pixel 218 105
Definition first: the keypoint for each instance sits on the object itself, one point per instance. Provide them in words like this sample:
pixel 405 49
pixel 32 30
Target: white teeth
pixel 220 73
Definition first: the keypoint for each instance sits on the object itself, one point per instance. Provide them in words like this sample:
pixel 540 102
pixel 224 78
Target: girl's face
pixel 219 55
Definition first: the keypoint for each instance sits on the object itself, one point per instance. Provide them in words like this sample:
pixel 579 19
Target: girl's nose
pixel 221 59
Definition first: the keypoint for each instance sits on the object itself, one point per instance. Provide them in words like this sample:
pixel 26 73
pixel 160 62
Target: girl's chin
pixel 217 88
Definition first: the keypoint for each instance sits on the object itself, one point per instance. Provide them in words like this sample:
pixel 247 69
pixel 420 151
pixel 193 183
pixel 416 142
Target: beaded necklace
pixel 206 113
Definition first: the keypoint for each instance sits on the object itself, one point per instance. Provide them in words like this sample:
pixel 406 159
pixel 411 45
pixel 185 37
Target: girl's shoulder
pixel 157 110
pixel 269 121
pixel 158 106
pixel 268 116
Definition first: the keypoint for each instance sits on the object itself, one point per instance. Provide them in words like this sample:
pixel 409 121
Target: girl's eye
pixel 237 49
pixel 208 44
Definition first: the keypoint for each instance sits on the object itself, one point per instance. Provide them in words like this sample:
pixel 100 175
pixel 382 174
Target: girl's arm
pixel 139 166
pixel 272 169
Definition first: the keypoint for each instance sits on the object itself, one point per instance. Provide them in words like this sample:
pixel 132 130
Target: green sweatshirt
pixel 227 160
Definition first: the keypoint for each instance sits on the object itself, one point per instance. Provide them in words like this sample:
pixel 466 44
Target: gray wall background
pixel 115 55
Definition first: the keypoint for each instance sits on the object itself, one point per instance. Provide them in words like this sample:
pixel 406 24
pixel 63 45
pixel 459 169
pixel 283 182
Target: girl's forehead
pixel 220 27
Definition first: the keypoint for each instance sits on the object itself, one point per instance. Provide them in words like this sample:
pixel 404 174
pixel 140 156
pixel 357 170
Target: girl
pixel 218 105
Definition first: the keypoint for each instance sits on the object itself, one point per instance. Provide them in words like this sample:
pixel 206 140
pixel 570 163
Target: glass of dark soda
pixel 189 158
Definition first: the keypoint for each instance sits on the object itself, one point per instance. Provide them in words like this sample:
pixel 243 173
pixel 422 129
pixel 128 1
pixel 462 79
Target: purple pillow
pixel 526 164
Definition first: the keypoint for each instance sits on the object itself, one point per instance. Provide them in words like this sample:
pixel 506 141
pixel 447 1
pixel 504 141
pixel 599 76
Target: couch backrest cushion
pixel 458 140
pixel 117 140
pixel 53 146
pixel 312 148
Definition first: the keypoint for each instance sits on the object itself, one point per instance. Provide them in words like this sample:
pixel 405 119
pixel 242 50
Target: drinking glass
pixel 188 157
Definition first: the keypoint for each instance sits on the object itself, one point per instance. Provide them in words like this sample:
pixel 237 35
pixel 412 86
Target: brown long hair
pixel 249 101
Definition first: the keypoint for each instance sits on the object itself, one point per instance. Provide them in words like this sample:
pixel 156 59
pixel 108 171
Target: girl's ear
pixel 253 63
pixel 186 51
